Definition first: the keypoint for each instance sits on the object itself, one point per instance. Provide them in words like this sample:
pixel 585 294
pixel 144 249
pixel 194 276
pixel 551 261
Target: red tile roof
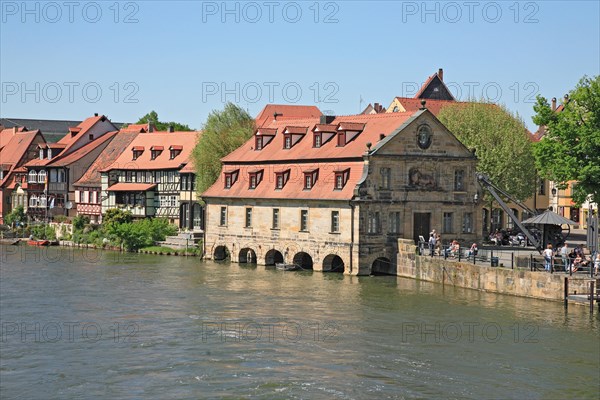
pixel 303 157
pixel 186 140
pixel 435 106
pixel 322 189
pixel 351 126
pixel 137 128
pixel 295 130
pixel 14 151
pixel 188 169
pixel 286 111
pixel 63 161
pixel 80 131
pixel 325 128
pixel 117 145
pixel 131 187
pixel 374 125
pixel 266 131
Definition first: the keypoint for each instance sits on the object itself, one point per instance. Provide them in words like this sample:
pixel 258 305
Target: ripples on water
pixel 173 327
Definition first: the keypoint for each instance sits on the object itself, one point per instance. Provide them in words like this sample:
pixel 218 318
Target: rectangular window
pixel 317 140
pixel 395 222
pixel 128 176
pixel 275 218
pixel 279 182
pixel 447 223
pixel 228 181
pixel 459 180
pixel 339 181
pixel 542 189
pixel 304 220
pixel 467 225
pixel 174 201
pixel 341 139
pixel 308 181
pixel 223 216
pixel 287 144
pixel 253 181
pixel 259 143
pixel 335 221
pixel 140 176
pixel 248 217
pixel 385 178
pixel 374 223
pixel 81 196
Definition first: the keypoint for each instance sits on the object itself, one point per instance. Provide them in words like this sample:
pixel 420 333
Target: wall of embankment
pixel 516 282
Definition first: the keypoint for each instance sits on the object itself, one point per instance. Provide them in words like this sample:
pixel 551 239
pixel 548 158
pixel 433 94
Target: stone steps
pixel 179 242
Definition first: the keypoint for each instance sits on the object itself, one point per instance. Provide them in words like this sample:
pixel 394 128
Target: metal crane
pixel 485 182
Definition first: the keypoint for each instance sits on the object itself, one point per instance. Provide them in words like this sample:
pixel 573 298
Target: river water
pixel 108 325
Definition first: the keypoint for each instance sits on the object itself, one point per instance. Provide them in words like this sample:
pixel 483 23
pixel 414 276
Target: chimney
pixel 150 128
pixel 441 74
pixel 15 129
pixel 170 129
pixel 423 107
pixel 95 114
pixel 275 115
pixel 554 104
pixel 326 119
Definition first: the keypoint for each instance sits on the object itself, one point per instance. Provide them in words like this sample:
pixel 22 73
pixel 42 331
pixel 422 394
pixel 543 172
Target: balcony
pixel 137 211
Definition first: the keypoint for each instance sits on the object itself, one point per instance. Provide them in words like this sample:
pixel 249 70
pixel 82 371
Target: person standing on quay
pixel 548 253
pixel 431 242
pixel 564 255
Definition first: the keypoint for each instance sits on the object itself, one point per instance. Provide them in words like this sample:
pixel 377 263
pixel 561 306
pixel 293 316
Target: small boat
pixel 287 267
pixel 33 242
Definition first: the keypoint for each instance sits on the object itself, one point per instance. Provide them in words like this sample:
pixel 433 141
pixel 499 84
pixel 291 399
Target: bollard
pixel 566 291
pixel 531 262
pixel 512 260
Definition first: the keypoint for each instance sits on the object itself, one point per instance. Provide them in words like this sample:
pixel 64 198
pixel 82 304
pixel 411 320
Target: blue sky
pixel 183 59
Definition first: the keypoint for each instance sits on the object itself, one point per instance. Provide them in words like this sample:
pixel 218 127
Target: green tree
pixel 16 216
pixel 80 221
pixel 152 118
pixel 570 149
pixel 501 142
pixel 223 132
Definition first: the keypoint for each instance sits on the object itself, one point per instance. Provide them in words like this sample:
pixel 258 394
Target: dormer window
pixel 254 179
pixel 341 177
pixel 175 151
pixel 348 131
pixel 231 178
pixel 281 179
pixel 317 139
pixel 155 151
pixel 137 151
pixel 310 178
pixel 292 135
pixel 263 137
pixel 91 136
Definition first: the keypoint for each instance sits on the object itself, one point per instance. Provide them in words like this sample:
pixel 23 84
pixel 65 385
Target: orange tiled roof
pixel 185 140
pixel 188 169
pixel 79 131
pixel 435 106
pixel 119 143
pixel 374 125
pixel 61 161
pixel 286 111
pixel 303 158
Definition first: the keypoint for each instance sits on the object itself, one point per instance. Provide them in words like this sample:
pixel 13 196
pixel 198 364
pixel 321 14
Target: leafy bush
pixel 43 232
pixel 80 221
pixel 60 218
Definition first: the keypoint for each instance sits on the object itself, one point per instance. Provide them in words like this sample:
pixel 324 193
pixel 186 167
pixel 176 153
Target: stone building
pixel 336 193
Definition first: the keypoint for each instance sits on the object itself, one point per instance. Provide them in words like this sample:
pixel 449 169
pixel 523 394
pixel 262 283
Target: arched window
pixel 42 176
pixel 33 201
pixel 32 177
pixel 43 201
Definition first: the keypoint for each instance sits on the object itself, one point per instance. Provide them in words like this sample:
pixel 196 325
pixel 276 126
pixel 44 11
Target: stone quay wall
pixel 516 282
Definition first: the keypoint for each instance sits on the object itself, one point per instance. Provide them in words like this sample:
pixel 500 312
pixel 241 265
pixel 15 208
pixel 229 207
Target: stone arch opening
pixel 304 260
pixel 247 256
pixel 382 266
pixel 221 253
pixel 273 257
pixel 333 263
